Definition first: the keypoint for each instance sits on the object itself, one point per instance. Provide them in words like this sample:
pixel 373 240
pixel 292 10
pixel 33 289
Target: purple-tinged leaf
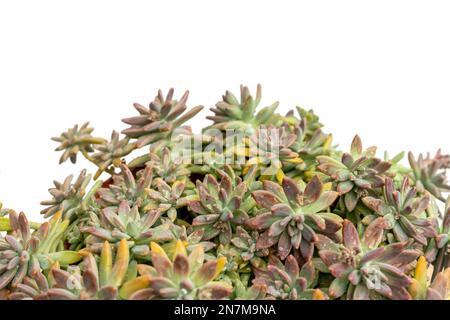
pixel 205 273
pixel 372 255
pixel 181 266
pixel 262 221
pixel 291 267
pixel 315 221
pixel 347 160
pixel 363 184
pixel 374 233
pixel 197 207
pixel 356 147
pixel 400 294
pixel 329 257
pixel 205 219
pixel 325 200
pixel 161 263
pixel 354 277
pixel 281 210
pixel 278 227
pixel 265 199
pixel 361 293
pixel 313 189
pixel 306 250
pixel 345 187
pixel 273 187
pixel 215 291
pixel 338 287
pixel 373 204
pixel 265 241
pixel 339 269
pixel 284 245
pixel 350 236
pixel 350 200
pixel 290 188
pixel 308 272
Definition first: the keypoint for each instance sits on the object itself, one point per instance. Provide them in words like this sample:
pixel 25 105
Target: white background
pixel 377 68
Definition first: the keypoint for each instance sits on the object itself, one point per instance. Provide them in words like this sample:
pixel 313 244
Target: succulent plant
pixel 125 222
pixel 258 205
pixel 126 187
pixel 91 280
pixel 430 172
pixel 167 198
pixel 255 292
pixel 23 253
pixel 75 140
pixel 270 149
pixel 220 205
pixel 287 281
pixel 184 277
pixel 309 147
pixel 191 240
pixel 291 218
pixel 231 113
pixel 363 269
pixel 165 166
pixel 70 198
pixel 404 211
pixel 312 121
pixel 111 154
pixel 422 288
pixel 246 242
pixel 356 173
pixel 162 117
pixel 438 249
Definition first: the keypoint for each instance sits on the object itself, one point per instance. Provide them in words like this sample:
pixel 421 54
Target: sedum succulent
pixel 309 147
pixel 430 172
pixel 231 113
pixel 166 198
pixel 291 218
pixel 356 173
pixel 438 249
pixel 270 149
pixel 288 281
pixel 70 198
pixel 220 205
pixel 162 117
pixel 256 206
pixel 126 187
pixel 24 253
pixel 111 154
pixel 164 166
pixel 91 280
pixel 184 277
pixel 245 241
pixel 404 211
pixel 75 140
pixel 312 121
pixel 364 270
pixel 125 222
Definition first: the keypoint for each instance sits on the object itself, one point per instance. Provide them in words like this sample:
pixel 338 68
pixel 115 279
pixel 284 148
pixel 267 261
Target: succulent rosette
pixel 291 218
pixel 356 173
pixel 364 270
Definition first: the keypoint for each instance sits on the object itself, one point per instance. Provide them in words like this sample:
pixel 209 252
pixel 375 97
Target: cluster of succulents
pixel 288 215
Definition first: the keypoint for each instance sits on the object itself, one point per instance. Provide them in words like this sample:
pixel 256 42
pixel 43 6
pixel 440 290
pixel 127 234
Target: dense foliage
pixel 258 205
